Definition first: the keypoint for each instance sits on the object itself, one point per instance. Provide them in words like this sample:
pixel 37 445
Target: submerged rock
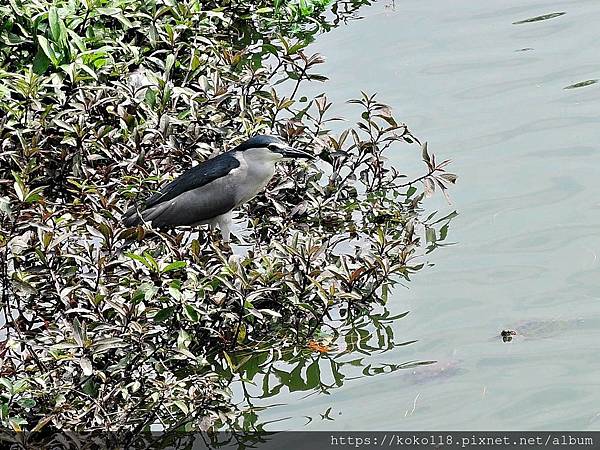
pixel 434 372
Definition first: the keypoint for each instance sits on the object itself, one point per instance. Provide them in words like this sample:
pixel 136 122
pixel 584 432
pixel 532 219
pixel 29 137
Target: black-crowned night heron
pixel 208 192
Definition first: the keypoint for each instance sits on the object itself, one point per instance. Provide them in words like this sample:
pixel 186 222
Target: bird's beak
pixel 291 152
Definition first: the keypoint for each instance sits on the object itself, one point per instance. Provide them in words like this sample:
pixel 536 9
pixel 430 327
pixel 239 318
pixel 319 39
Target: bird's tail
pixel 132 217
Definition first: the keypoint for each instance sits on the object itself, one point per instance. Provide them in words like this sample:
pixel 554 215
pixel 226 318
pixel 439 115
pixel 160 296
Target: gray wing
pixel 193 179
pixel 193 207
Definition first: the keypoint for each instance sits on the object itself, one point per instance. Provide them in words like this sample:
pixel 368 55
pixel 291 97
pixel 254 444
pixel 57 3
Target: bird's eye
pixel 273 147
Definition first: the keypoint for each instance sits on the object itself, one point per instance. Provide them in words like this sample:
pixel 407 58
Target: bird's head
pixel 268 147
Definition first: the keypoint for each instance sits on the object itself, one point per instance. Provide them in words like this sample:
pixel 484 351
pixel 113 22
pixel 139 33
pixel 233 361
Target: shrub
pixel 111 328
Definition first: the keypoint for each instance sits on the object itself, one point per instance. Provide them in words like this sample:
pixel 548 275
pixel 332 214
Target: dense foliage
pixel 101 101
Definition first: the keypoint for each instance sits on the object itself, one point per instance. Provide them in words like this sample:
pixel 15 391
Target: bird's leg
pixel 212 233
pixel 211 230
pixel 226 233
pixel 225 226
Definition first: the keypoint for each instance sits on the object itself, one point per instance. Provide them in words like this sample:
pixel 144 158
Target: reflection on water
pixel 349 352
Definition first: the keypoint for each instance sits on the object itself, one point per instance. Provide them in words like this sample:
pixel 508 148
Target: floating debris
pixel 581 84
pixel 539 18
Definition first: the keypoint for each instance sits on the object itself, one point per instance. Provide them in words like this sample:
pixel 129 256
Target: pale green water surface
pixel 489 93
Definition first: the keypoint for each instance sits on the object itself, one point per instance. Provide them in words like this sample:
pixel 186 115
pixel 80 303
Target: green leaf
pixel 229 362
pixel 425 153
pixel 164 314
pixel 90 388
pixel 150 97
pixel 103 345
pixel 182 406
pixel 191 313
pixel 297 47
pixel 270 48
pixel 150 259
pixel 174 266
pixel 143 260
pixel 20 386
pixel 7 384
pixel 45 45
pixel 242 332
pixel 20 188
pixel 40 62
pixel 170 63
pixel 86 69
pixel 34 195
pixel 76 39
pixel 57 27
pixel 380 236
pixel 175 293
pixel 3 411
pixel 78 333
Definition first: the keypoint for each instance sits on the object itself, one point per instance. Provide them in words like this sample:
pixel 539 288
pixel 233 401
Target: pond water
pixel 502 96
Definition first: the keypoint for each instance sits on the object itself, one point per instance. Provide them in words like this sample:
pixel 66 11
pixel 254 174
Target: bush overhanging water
pixel 102 101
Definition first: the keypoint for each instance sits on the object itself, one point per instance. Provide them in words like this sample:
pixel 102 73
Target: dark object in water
pixel 507 335
pixel 540 329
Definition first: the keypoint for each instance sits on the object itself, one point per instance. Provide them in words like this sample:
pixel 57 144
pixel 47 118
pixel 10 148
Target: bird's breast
pixel 252 179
